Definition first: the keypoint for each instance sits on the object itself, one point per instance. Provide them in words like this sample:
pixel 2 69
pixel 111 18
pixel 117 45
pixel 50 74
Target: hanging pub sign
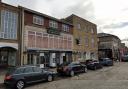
pixel 53 31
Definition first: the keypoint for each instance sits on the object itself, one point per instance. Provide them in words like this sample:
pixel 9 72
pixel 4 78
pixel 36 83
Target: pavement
pixel 2 75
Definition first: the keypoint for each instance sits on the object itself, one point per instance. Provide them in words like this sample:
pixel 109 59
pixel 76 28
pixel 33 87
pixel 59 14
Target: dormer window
pixel 38 20
pixel 53 24
pixel 65 28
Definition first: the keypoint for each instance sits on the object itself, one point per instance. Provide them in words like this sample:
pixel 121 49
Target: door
pixel 75 68
pixel 29 75
pixel 79 68
pixel 4 58
pixel 38 74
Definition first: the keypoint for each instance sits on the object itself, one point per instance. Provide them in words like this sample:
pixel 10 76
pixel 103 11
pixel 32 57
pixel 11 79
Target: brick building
pixel 9 35
pixel 109 46
pixel 84 38
pixel 46 40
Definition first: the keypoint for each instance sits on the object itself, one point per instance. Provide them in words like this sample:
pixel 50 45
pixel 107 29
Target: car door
pixel 81 67
pixel 78 68
pixel 39 74
pixel 74 68
pixel 29 75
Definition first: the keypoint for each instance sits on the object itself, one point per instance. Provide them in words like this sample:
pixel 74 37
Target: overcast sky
pixel 111 16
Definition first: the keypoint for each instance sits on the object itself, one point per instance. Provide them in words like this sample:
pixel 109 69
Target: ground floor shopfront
pixel 83 56
pixel 48 58
pixel 8 54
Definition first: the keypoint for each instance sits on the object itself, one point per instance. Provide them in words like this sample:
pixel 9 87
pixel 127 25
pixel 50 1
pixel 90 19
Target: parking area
pixel 115 77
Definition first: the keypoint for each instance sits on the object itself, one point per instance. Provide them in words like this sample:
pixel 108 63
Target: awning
pixel 11 45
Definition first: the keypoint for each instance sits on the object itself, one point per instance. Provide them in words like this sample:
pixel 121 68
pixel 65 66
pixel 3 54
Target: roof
pixel 47 16
pixel 73 15
pixel 107 35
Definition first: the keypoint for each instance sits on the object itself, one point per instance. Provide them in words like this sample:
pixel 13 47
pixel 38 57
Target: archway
pixel 8 56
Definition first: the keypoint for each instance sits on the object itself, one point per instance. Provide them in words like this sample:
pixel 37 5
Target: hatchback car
pixel 19 77
pixel 71 68
pixel 93 64
pixel 106 61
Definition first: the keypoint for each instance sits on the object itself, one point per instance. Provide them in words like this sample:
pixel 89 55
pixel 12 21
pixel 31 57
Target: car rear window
pixel 11 70
pixel 19 70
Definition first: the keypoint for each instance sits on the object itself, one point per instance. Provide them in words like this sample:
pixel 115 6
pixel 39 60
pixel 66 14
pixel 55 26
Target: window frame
pixel 53 24
pixel 38 20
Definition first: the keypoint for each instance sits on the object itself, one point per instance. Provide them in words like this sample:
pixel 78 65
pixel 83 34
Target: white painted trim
pixel 13 45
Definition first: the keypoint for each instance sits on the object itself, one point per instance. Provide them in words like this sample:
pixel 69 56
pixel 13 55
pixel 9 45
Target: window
pixel 86 41
pixel 78 41
pixel 19 71
pixel 36 69
pixel 9 25
pixel 65 28
pixel 38 20
pixel 53 24
pixel 78 26
pixel 28 70
pixel 93 42
pixel 92 30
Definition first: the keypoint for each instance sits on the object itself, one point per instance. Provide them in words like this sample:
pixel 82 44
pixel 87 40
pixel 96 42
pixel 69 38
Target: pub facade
pixel 45 39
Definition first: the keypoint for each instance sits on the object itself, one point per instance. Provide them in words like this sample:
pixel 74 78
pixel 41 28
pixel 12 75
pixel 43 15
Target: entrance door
pixel 8 56
pixel 3 58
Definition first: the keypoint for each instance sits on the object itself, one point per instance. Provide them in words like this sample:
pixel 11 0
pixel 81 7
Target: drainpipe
pixel 21 33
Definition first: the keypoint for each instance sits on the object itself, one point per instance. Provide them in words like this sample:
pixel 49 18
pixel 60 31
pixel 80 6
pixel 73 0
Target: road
pixel 115 77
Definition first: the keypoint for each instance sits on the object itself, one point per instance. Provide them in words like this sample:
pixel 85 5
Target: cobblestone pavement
pixel 115 77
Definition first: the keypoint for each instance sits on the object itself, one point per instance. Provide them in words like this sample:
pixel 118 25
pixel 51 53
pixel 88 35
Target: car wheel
pixel 20 84
pixel 85 70
pixel 72 73
pixel 49 78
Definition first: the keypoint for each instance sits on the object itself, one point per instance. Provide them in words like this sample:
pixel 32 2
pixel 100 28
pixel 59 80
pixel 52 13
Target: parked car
pixel 93 64
pixel 19 77
pixel 71 68
pixel 106 61
pixel 125 58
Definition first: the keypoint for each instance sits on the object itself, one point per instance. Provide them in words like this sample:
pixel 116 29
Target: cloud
pixel 116 26
pixel 25 3
pixel 111 16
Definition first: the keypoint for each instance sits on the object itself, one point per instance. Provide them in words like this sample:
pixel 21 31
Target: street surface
pixel 115 77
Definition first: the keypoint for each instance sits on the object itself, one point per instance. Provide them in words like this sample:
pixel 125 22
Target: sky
pixel 111 16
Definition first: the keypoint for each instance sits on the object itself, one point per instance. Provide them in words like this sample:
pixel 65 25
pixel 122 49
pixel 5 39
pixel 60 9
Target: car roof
pixel 24 66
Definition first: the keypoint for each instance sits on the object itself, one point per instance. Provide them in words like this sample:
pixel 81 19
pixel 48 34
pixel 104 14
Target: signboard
pixel 41 54
pixel 41 65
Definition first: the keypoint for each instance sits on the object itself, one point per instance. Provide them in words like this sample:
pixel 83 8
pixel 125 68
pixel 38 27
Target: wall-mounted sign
pixel 41 54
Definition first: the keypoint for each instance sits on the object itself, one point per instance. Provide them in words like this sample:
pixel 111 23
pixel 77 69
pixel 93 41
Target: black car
pixel 71 68
pixel 93 64
pixel 18 77
pixel 106 61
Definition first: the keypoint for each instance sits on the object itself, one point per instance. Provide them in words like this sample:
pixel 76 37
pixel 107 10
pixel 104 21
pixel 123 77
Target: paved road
pixel 115 77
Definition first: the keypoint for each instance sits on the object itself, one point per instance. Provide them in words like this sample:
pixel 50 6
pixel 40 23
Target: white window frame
pixel 53 24
pixel 38 20
pixel 65 28
pixel 9 24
